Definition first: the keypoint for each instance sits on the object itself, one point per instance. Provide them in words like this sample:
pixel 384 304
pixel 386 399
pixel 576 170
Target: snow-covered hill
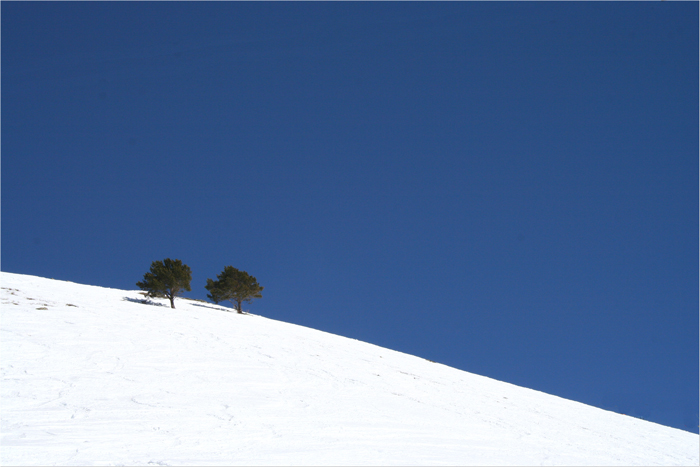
pixel 92 376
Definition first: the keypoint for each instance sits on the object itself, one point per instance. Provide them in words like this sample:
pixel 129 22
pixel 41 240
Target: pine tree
pixel 235 286
pixel 167 278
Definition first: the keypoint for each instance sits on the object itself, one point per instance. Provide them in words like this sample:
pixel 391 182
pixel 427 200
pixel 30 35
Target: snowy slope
pixel 91 376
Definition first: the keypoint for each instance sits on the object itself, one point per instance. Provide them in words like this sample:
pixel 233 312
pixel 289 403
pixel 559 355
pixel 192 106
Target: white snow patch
pixel 90 376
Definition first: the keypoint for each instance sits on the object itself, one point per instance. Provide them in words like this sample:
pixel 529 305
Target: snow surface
pixel 90 376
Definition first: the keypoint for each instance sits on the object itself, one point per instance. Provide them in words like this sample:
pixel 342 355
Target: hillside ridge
pixel 92 375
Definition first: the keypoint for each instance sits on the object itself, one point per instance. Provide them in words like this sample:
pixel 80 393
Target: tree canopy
pixel 167 278
pixel 235 286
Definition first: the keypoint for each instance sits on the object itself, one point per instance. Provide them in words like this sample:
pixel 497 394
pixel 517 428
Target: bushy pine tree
pixel 235 286
pixel 167 278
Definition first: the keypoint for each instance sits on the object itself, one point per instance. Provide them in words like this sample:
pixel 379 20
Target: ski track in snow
pixel 92 376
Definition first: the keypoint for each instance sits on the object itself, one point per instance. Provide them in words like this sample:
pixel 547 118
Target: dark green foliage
pixel 235 286
pixel 167 278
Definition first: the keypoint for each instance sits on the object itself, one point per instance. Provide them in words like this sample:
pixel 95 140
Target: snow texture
pixel 92 376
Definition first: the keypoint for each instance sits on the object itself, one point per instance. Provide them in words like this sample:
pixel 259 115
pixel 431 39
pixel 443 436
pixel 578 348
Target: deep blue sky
pixel 507 188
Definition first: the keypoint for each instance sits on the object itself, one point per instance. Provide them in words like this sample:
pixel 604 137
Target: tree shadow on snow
pixel 144 301
pixel 213 307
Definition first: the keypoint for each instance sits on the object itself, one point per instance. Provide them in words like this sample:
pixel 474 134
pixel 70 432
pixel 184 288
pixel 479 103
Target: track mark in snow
pixel 410 374
pixel 133 399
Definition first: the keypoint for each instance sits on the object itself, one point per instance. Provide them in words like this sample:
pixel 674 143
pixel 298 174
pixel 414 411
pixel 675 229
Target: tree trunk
pixel 172 301
pixel 239 307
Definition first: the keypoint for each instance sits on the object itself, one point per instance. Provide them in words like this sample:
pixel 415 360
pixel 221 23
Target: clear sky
pixel 507 188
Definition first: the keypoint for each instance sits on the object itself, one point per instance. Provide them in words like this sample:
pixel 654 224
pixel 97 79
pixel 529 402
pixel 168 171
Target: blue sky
pixel 507 188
